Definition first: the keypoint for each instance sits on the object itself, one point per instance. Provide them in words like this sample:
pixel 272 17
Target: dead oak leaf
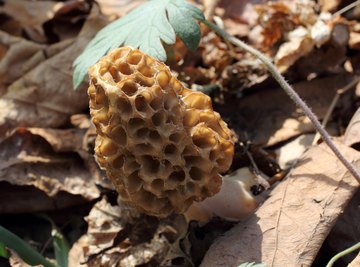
pixel 44 96
pixel 17 57
pixel 20 56
pixel 61 140
pixel 31 15
pixel 119 236
pixel 300 43
pixel 274 118
pixel 290 227
pixel 117 8
pixel 28 161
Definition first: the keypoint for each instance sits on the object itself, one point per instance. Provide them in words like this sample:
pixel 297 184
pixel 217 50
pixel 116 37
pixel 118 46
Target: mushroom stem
pixel 233 202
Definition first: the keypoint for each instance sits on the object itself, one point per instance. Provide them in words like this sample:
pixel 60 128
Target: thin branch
pixel 347 8
pixel 342 254
pixel 332 106
pixel 290 91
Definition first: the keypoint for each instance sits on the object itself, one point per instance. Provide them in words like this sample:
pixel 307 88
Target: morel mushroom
pixel 162 145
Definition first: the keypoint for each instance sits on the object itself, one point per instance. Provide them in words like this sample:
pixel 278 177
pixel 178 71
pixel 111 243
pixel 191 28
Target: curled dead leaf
pixel 44 96
pixel 17 57
pixel 119 236
pixel 29 164
pixel 299 44
pixel 117 8
pixel 31 15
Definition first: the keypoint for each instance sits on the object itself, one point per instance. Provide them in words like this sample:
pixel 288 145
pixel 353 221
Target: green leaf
pixel 251 264
pixel 24 250
pixel 61 248
pixel 3 252
pixel 60 244
pixel 145 28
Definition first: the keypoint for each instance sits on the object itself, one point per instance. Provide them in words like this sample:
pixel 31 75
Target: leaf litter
pixel 47 140
pixel 291 225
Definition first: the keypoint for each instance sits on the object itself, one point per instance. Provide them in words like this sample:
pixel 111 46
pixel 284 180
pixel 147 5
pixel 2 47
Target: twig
pixel 290 91
pixel 331 108
pixel 346 8
pixel 342 254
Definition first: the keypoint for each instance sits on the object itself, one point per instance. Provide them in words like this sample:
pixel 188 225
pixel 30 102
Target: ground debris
pixel 290 227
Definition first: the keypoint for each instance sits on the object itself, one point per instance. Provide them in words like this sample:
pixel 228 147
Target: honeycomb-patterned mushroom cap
pixel 162 145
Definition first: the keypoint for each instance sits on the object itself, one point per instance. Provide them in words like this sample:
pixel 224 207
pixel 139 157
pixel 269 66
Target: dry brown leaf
pixel 300 43
pixel 117 8
pixel 274 117
pixel 16 261
pixel 16 199
pixel 329 58
pixel 17 57
pixel 355 262
pixel 119 236
pixel 329 5
pixel 31 15
pixel 346 231
pixel 291 30
pixel 215 52
pixel 77 253
pixel 30 167
pixel 244 74
pixel 276 19
pixel 289 153
pixel 279 18
pixel 67 20
pixel 81 121
pixel 44 97
pixel 105 221
pixel 80 140
pixel 290 227
pixel 354 40
pixel 236 16
pixel 67 140
pixel 22 56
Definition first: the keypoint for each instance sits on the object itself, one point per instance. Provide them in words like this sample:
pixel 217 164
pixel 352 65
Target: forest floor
pixel 307 204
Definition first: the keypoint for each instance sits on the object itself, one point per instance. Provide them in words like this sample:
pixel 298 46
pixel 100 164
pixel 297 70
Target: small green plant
pixel 3 251
pixel 157 21
pixel 23 249
pixel 28 254
pixel 343 253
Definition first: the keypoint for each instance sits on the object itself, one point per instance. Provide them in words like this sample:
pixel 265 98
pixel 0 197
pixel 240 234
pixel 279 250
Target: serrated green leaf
pixel 145 28
pixel 187 29
pixel 251 264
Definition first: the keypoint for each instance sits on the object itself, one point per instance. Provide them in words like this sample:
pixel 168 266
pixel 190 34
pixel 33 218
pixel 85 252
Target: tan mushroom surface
pixel 161 144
